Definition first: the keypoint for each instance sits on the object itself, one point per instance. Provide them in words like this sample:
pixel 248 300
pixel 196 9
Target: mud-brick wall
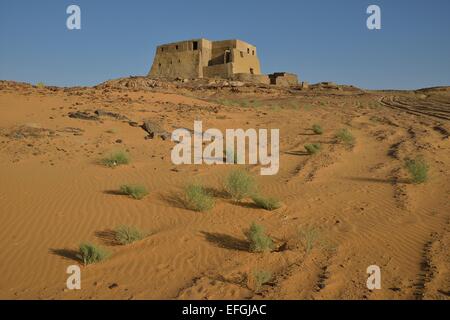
pixel 181 59
pixel 244 62
pixel 283 79
pixel 200 58
pixel 252 78
pixel 184 64
pixel 218 71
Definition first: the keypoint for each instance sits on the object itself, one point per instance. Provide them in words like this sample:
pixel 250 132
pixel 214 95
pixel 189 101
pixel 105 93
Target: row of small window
pixel 179 61
pixel 248 52
pixel 195 47
pixel 176 48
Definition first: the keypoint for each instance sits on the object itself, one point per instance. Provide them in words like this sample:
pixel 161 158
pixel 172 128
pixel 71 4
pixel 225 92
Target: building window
pixel 242 54
pixel 162 49
pixel 253 52
pixel 159 65
pixel 176 47
pixel 248 50
pixel 195 45
pixel 251 71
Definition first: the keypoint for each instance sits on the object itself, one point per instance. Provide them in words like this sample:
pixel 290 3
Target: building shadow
pixel 226 241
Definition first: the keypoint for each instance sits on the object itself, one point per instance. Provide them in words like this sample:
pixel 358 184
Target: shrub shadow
pixel 249 205
pixel 297 153
pixel 217 193
pixel 226 241
pixel 68 254
pixel 174 199
pixel 446 293
pixel 108 237
pixel 114 192
pixel 378 180
pixel 307 134
pixel 326 141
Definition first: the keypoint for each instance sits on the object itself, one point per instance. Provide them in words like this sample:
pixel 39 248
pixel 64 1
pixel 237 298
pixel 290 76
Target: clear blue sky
pixel 321 40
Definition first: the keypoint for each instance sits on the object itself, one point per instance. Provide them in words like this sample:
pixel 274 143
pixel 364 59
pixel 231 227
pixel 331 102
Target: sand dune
pixel 54 194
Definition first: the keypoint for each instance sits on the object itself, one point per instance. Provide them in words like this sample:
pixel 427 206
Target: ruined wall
pixel 245 63
pixel 177 65
pixel 200 58
pixel 240 54
pixel 245 47
pixel 252 78
pixel 184 59
pixel 283 79
pixel 205 46
pixel 218 52
pixel 243 55
pixel 223 71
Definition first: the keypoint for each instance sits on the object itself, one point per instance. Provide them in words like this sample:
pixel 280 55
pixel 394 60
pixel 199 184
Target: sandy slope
pixel 54 195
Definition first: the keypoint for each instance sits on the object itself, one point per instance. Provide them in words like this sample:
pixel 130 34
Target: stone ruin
pixel 201 58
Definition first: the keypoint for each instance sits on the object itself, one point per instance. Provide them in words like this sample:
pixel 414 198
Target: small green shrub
pixel 250 103
pixel 240 184
pixel 197 199
pixel 111 131
pixel 232 102
pixel 418 169
pixel 134 191
pixel 257 103
pixel 40 85
pixel 376 119
pixel 259 241
pixel 317 129
pixel 116 159
pixel 309 237
pixel 312 148
pixel 128 234
pixel 90 253
pixel 345 136
pixel 276 108
pixel 266 203
pixel 261 277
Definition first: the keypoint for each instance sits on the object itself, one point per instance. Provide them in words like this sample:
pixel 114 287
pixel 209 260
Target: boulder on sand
pixel 155 130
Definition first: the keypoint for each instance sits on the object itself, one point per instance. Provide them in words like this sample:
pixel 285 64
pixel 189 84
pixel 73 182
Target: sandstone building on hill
pixel 202 58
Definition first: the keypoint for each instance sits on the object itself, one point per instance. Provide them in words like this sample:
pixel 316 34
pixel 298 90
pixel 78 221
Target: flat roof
pixel 199 39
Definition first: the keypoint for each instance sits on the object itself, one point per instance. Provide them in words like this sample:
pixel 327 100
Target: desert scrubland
pixel 343 198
